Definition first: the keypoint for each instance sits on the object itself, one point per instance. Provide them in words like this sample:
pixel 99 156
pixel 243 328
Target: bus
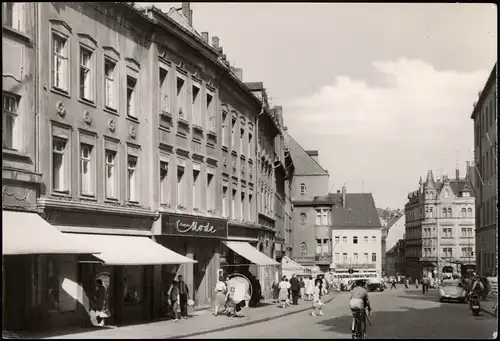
pixel 346 278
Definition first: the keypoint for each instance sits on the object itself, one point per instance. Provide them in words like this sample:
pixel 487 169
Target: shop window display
pixel 62 286
pixel 133 284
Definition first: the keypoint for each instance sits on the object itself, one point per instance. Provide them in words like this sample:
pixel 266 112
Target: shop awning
pixel 130 250
pixel 247 251
pixel 25 233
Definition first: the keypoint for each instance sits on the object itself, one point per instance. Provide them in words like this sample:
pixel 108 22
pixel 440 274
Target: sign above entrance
pixel 192 226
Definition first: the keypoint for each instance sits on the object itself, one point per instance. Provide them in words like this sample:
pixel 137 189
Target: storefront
pixel 198 238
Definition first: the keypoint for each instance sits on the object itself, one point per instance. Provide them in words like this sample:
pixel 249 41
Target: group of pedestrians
pixel 177 299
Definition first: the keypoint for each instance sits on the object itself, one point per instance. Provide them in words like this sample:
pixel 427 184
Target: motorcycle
pixel 474 304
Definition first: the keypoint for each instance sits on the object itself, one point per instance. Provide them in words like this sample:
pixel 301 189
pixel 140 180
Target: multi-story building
pixel 395 231
pixel 139 178
pixel 311 209
pixel 395 260
pixel 356 234
pixel 485 159
pixel 439 238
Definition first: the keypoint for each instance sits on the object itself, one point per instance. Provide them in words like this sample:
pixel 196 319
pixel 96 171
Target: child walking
pixel 317 304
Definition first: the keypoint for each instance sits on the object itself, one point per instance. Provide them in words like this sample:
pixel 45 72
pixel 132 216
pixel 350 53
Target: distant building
pixel 439 227
pixel 485 158
pixel 395 259
pixel 394 231
pixel 357 234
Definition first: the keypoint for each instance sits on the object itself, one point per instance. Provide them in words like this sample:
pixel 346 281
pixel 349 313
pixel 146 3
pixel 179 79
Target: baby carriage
pixel 238 296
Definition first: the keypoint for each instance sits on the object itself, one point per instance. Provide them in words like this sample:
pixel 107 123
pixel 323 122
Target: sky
pixel 384 92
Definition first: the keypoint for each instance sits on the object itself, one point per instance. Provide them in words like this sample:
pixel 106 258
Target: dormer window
pixel 302 189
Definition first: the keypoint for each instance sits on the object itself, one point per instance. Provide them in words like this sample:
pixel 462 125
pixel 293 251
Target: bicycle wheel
pixel 355 331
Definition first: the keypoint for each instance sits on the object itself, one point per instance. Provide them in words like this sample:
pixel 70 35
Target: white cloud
pixel 389 135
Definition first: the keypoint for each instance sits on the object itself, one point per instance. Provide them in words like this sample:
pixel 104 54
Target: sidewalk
pixel 488 305
pixel 202 322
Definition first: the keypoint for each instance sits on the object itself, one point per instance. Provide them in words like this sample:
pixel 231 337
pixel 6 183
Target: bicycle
pixel 357 333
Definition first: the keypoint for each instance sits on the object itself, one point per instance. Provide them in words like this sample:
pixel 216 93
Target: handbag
pixel 190 302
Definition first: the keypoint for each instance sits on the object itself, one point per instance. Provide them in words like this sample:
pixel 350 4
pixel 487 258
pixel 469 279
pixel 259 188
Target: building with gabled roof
pixel 439 231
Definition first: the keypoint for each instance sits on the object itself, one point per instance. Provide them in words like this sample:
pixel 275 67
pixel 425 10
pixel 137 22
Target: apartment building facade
pixel 127 143
pixel 439 236
pixel 485 159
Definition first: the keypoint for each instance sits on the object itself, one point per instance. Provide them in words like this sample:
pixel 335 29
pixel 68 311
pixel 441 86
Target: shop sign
pixel 189 226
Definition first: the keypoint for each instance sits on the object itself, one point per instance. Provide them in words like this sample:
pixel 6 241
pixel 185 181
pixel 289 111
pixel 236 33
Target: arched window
pixel 445 212
pixel 302 189
pixel 427 212
pixel 450 215
pixel 469 212
pixel 303 248
pixel 303 217
pixel 464 213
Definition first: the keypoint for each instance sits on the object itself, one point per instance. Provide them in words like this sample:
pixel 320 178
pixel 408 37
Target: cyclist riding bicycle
pixel 358 302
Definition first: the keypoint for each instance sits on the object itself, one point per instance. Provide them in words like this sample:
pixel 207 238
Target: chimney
pixel 215 42
pixel 314 154
pixel 204 35
pixel 187 12
pixel 343 196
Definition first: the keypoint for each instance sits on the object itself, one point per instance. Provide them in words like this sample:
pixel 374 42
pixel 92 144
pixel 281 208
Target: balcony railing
pixel 326 257
pixel 197 147
pixel 181 142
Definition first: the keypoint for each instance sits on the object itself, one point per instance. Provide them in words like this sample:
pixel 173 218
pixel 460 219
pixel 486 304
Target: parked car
pixel 375 284
pixel 452 290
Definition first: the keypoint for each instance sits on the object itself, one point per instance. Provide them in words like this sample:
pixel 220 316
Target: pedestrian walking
pixel 302 288
pixel 425 285
pixel 407 281
pixel 276 291
pixel 393 284
pixel 174 298
pixel 416 283
pixel 295 289
pixel 320 282
pixel 317 304
pixel 283 295
pixel 183 296
pixel 220 295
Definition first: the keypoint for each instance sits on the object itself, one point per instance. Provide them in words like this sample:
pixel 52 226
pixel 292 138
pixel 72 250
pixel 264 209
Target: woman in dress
pixel 309 288
pixel 283 295
pixel 175 300
pixel 220 295
pixel 317 304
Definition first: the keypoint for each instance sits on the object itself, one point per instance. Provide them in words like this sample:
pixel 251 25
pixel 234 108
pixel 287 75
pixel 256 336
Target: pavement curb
pixel 244 324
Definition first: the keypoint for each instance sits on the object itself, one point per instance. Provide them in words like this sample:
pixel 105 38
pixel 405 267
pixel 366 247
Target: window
pixel 164 183
pixel 224 201
pixel 445 213
pixel 87 170
pixel 233 204
pixel 355 257
pixel 86 75
pixel 60 62
pixel 110 92
pixel 355 239
pixel 242 141
pixel 326 246
pixel 181 189
pixel 111 175
pixel 250 146
pixel 464 213
pixel 181 96
pixel 365 239
pixel 212 124
pixel 132 178
pixel 344 257
pixel 374 257
pixel 250 205
pixel 224 129
pixel 210 192
pixel 133 284
pixel 365 257
pixel 450 215
pixel 374 240
pixel 196 189
pixel 324 217
pixel 303 218
pixel 233 133
pixel 337 240
pixel 196 104
pixel 318 217
pixel 60 163
pixel 62 285
pixel 303 248
pixel 164 97
pixel 131 94
pixel 344 240
pixel 302 189
pixel 242 213
pixel 318 246
pixel 337 257
pixel 13 14
pixel 10 104
pixel 431 212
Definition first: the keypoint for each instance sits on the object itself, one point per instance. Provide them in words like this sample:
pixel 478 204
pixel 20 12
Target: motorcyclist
pixel 477 288
pixel 359 301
